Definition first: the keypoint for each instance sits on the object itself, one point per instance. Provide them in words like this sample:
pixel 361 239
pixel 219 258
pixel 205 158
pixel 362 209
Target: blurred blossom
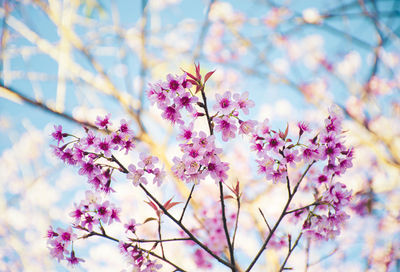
pixel 379 86
pixel 311 16
pixel 281 66
pixel 223 11
pixel 275 16
pixel 314 91
pixel 349 65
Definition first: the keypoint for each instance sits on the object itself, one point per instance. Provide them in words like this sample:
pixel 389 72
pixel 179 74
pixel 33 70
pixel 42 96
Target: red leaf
pixel 228 196
pixel 237 188
pixel 208 75
pixel 151 204
pixel 172 204
pixel 167 203
pixel 193 82
pixel 198 71
pixel 190 75
pixel 287 130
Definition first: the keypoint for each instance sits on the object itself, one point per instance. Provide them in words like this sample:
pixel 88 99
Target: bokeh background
pixel 66 62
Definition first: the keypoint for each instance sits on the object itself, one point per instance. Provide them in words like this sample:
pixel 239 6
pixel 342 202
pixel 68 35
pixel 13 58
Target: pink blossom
pixel 104 122
pixel 124 127
pixel 201 259
pixel 178 168
pixel 274 143
pixel 303 127
pixel 277 175
pixel 186 100
pixel 130 226
pixel 128 145
pixel 88 141
pixel 290 157
pixel 224 103
pixel 116 140
pixel 157 95
pixel 204 142
pixel 265 165
pixel 174 83
pixel 57 249
pixel 147 161
pixel 103 212
pixel 58 135
pixel 68 156
pixel 172 114
pixel 159 176
pixel 226 126
pixel 73 260
pixel 264 128
pixel 89 168
pixel 104 145
pixel 309 154
pixel 186 133
pixel 243 102
pixel 114 215
pixel 136 175
pixel 247 127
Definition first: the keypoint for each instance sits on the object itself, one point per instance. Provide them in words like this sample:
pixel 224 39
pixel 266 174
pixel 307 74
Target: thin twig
pixel 302 208
pixel 186 204
pixel 265 219
pixel 307 255
pixel 194 239
pixel 261 250
pixel 224 222
pixel 290 250
pixel 236 222
pixel 159 236
pixel 92 233
pixel 159 241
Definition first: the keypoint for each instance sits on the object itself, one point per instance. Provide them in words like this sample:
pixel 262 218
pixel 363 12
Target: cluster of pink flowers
pixel 145 165
pixel 213 230
pixel 87 152
pixel 59 241
pixel 200 153
pixel 172 96
pixel 138 258
pixel 92 211
pixel 93 155
pixel 276 154
pixel 331 158
pixel 200 158
pixel 228 122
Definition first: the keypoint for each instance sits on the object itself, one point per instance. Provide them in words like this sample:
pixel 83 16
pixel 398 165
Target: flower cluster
pixel 93 155
pixel 326 150
pixel 277 155
pixel 58 242
pixel 227 117
pixel 214 231
pixel 172 96
pixel 87 152
pixel 92 211
pixel 200 158
pixel 276 152
pixel 200 153
pixel 146 165
pixel 138 258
